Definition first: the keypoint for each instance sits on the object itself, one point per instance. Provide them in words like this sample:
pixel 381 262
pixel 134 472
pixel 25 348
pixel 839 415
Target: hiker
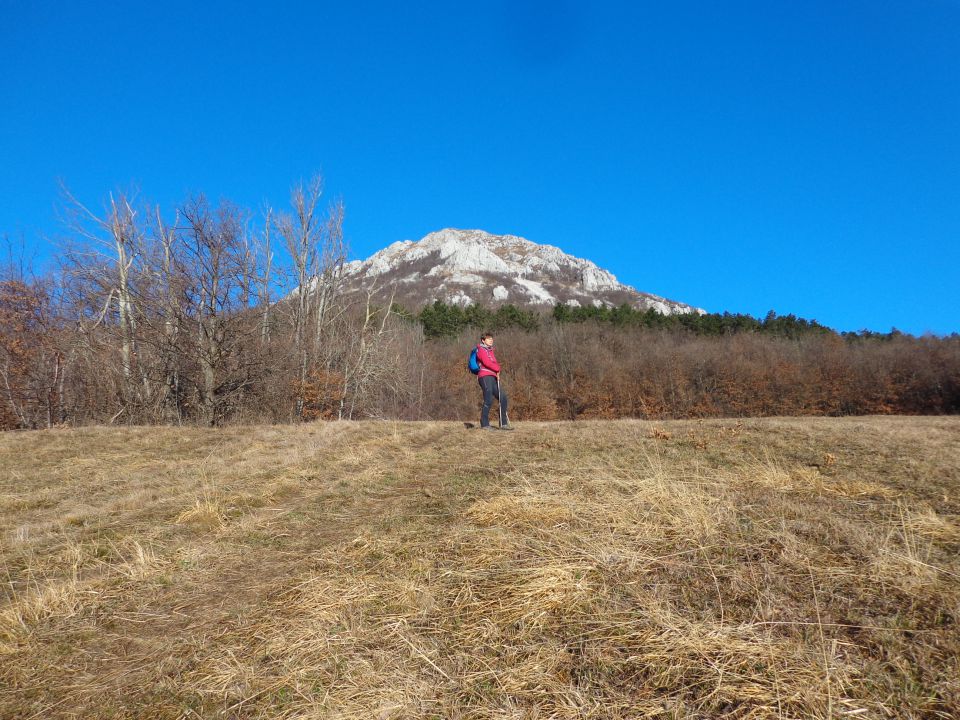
pixel 489 378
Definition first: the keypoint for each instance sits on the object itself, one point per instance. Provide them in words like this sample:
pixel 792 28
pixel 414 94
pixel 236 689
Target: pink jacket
pixel 488 361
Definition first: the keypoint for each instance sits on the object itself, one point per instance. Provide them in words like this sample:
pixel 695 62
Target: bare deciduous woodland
pixel 212 314
pixel 191 318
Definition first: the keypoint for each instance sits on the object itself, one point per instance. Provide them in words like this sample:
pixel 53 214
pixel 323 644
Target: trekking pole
pixel 503 417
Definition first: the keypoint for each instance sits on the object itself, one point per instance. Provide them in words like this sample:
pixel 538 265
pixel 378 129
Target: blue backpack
pixel 473 363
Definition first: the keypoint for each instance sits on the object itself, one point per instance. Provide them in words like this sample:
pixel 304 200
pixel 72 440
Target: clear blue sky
pixel 741 156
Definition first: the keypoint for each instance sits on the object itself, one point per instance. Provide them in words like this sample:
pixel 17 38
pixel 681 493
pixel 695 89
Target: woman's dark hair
pixel 485 334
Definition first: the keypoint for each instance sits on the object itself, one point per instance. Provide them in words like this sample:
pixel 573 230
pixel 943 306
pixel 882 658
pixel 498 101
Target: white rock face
pixel 382 262
pixel 466 252
pixel 459 265
pixel 537 292
pixel 460 298
pixel 593 279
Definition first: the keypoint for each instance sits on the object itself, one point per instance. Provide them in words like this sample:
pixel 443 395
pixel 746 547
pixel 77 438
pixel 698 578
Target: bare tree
pixel 217 259
pixel 107 265
pixel 265 279
pixel 300 234
pixel 333 254
pixel 317 251
pixel 170 286
pixel 366 362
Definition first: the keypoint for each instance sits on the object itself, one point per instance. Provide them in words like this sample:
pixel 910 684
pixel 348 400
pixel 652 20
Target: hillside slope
pixel 770 568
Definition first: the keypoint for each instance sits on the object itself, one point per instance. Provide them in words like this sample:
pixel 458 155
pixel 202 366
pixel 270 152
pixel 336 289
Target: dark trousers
pixel 491 389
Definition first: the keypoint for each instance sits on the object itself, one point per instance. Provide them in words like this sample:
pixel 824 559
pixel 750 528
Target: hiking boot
pixel 508 426
pixel 487 427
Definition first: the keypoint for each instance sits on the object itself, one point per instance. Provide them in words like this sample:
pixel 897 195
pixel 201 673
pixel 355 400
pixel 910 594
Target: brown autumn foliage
pixel 31 363
pixel 323 394
pixel 590 371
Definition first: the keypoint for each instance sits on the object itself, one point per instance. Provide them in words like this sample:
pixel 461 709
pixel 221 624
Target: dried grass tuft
pixel 137 561
pixel 514 511
pixel 52 600
pixel 207 512
pixel 926 523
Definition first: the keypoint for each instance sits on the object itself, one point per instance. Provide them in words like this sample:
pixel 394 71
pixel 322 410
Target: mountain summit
pixel 463 267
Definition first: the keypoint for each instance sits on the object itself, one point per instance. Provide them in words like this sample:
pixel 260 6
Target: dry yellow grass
pixel 780 568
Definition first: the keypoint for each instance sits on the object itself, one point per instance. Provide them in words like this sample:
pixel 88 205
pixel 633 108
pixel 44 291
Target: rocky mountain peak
pixel 474 266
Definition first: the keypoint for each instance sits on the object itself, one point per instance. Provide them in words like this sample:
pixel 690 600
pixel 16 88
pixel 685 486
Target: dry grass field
pixel 776 568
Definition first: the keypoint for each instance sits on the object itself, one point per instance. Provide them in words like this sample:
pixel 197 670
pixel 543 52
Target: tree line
pixel 208 313
pixel 442 320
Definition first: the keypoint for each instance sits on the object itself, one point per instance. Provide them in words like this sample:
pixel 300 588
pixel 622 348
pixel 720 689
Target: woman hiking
pixel 489 378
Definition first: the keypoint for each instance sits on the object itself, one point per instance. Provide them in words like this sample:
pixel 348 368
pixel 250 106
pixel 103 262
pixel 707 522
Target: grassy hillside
pixel 770 568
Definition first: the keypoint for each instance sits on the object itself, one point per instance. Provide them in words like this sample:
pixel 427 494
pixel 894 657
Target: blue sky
pixel 738 156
